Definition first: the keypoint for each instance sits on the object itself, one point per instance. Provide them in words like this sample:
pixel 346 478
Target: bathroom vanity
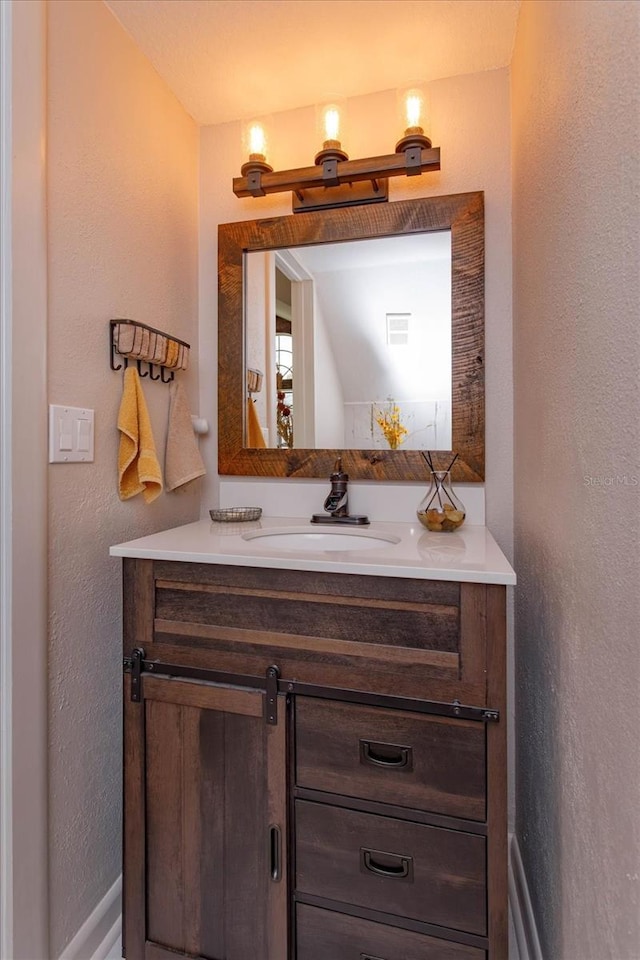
pixel 315 744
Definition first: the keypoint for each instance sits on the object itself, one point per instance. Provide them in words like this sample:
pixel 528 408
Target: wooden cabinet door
pixel 205 824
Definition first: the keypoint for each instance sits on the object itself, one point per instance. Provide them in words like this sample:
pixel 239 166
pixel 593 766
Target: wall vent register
pixel 398 329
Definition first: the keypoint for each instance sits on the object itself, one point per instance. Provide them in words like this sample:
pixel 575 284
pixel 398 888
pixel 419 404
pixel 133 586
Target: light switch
pixel 64 430
pixel 84 435
pixel 70 434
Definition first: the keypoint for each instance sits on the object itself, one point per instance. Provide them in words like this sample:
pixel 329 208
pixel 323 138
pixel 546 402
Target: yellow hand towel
pixel 255 436
pixel 182 461
pixel 138 467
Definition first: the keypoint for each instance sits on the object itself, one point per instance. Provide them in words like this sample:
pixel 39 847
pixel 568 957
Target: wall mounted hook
pixel 132 340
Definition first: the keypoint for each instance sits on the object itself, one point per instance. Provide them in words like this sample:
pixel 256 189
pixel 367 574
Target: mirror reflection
pixel 354 343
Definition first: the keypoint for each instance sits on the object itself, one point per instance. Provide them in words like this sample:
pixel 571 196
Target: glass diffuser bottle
pixel 441 510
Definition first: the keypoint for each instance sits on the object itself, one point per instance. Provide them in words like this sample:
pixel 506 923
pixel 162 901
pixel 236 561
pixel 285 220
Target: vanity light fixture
pixel 334 180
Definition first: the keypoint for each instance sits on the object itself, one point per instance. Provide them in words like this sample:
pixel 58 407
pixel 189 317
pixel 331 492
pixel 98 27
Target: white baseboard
pixel 524 922
pixel 100 931
pixel 111 946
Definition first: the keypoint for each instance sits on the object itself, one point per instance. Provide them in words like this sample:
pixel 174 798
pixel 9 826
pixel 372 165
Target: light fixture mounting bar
pixel 333 173
pixel 345 195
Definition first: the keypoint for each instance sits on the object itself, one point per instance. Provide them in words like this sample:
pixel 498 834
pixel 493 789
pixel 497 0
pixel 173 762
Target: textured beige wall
pixel 122 208
pixel 576 149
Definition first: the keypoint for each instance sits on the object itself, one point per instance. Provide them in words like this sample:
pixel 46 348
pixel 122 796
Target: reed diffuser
pixel 440 511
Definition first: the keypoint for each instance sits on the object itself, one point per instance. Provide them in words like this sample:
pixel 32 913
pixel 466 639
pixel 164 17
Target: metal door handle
pixel 275 852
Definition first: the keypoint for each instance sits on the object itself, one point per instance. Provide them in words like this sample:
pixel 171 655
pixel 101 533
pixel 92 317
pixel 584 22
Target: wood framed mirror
pixel 460 219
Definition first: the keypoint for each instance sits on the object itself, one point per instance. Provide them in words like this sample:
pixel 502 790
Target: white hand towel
pixel 183 462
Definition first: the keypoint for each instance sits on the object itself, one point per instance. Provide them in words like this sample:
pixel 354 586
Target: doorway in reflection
pixel 285 416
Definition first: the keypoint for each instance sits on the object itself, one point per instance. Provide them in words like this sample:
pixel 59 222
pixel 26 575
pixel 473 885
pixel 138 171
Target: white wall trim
pixel 6 833
pixel 111 946
pixel 524 922
pixel 23 474
pixel 101 930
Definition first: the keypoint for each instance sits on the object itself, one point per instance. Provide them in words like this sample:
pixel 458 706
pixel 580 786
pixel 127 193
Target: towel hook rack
pixel 254 380
pixel 137 341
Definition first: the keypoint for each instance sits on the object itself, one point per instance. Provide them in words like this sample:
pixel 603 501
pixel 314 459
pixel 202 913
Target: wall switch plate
pixel 70 434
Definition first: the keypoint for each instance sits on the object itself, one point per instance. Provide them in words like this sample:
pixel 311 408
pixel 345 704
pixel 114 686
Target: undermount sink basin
pixel 331 539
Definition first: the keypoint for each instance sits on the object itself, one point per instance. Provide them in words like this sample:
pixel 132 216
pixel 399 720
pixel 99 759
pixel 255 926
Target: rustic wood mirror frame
pixel 463 214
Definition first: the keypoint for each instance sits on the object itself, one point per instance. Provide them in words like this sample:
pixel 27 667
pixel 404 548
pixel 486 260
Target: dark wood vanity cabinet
pixel 349 804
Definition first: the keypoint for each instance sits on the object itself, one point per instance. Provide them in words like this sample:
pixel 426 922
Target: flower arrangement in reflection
pixel 389 422
pixel 284 421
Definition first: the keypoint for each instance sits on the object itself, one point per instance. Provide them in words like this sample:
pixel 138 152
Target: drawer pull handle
pixel 369 956
pixel 275 853
pixel 400 869
pixel 391 756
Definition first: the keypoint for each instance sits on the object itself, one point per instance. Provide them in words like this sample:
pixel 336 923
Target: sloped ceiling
pixel 228 59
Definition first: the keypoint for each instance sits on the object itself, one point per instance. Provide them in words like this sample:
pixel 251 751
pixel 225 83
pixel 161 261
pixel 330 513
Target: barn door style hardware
pixel 271 698
pixel 273 684
pixel 134 666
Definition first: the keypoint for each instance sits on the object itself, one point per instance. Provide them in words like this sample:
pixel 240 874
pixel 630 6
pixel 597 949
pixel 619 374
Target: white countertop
pixel 469 554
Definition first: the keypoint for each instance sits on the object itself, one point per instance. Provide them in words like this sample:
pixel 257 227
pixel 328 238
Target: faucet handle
pixel 338 473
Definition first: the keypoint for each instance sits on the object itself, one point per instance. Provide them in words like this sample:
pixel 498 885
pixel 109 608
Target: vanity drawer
pixel 407 869
pixel 397 612
pixel 407 759
pixel 325 935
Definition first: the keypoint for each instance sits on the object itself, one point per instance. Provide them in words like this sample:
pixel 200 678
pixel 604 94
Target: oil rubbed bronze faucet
pixel 337 503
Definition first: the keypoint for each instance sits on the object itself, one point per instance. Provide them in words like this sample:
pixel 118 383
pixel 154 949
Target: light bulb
pixel 413 108
pixel 257 140
pixel 255 137
pixel 255 145
pixel 330 129
pixel 332 123
pixel 413 114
